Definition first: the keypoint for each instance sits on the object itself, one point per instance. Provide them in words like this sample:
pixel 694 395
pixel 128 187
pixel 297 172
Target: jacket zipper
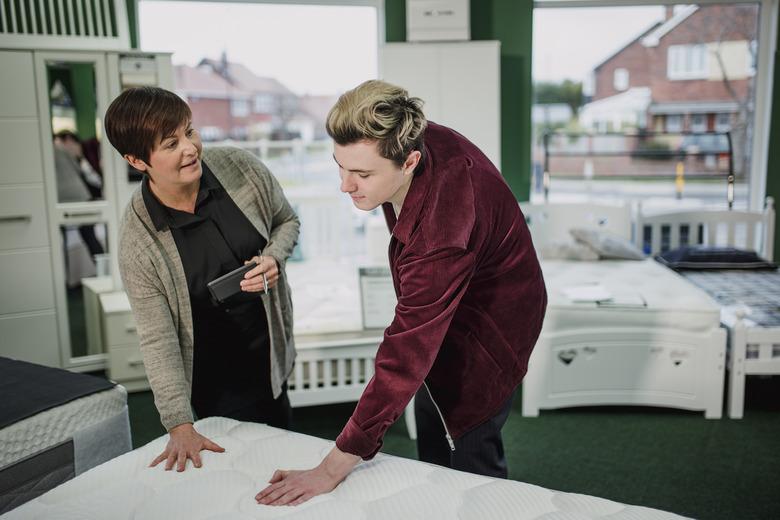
pixel 446 430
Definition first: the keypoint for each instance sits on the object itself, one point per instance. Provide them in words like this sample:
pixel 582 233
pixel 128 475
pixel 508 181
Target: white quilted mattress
pixel 386 488
pixel 671 301
pixel 58 424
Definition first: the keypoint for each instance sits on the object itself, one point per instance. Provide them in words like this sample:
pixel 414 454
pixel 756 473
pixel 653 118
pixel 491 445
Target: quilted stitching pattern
pixel 385 488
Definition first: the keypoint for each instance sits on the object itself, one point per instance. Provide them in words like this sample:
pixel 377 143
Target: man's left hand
pixel 290 488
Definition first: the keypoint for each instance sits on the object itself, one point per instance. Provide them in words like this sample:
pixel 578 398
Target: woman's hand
pixel 296 487
pixel 185 443
pixel 253 280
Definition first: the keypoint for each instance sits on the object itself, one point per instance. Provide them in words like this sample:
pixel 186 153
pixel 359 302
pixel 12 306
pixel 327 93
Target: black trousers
pixel 480 450
pixel 273 412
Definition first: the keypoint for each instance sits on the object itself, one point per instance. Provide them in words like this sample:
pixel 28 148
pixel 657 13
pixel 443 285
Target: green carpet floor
pixel 666 459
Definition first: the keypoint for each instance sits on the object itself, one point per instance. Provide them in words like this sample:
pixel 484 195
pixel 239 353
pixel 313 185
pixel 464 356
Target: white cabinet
pixel 120 338
pixel 460 84
pixel 51 240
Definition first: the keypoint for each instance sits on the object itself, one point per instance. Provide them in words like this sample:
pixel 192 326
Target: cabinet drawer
pixel 18 83
pixel 119 329
pixel 21 152
pixel 23 218
pixel 26 282
pixel 30 338
pixel 125 362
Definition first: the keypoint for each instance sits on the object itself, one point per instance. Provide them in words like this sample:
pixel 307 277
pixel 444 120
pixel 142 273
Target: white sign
pixel 377 297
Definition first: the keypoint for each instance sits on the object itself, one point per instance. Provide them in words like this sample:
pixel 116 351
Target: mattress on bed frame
pixel 646 294
pixel 387 487
pixel 55 425
pixel 756 293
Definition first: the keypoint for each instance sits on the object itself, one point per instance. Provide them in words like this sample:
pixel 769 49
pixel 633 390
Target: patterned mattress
pixel 57 424
pixel 386 488
pixel 757 293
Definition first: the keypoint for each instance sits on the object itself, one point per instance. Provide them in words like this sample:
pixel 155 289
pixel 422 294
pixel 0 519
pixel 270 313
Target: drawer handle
pixel 16 218
pixel 130 329
pixel 81 214
pixel 135 363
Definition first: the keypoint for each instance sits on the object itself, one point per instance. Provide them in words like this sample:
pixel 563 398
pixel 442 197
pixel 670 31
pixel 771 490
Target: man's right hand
pixel 185 443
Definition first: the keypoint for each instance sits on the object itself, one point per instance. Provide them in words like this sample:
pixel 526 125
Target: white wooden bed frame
pixel 743 229
pixel 656 384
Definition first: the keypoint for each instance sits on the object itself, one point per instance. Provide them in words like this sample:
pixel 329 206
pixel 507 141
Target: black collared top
pixel 231 363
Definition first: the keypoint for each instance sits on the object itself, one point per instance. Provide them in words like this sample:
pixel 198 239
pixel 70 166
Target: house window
pixel 674 123
pixel 698 123
pixel 722 122
pixel 620 80
pixel 687 62
pixel 239 107
pixel 265 104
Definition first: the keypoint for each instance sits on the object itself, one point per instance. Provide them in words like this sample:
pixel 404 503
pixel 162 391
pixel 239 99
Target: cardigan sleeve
pixel 160 347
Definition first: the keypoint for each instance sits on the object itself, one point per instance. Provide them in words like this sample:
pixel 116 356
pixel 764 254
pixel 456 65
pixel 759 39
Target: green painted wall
pixel 772 176
pixel 510 22
pixel 132 19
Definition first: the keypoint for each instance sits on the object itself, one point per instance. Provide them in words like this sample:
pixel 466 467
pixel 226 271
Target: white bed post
pixel 717 358
pixel 736 397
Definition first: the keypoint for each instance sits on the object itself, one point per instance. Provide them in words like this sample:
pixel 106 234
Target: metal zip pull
pixel 438 410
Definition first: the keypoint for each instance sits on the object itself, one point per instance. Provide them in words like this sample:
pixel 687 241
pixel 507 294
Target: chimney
pixel 669 12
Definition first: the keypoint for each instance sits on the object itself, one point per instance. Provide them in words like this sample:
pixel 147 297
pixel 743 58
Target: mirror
pixel 75 131
pixel 86 259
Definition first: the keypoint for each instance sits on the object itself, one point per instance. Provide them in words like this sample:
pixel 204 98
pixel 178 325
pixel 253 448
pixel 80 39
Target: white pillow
pixel 567 250
pixel 607 245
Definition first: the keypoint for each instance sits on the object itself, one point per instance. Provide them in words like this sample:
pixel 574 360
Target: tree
pixel 568 92
pixel 718 25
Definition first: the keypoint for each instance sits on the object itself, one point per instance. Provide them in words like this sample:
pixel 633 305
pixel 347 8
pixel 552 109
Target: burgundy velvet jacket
pixel 471 297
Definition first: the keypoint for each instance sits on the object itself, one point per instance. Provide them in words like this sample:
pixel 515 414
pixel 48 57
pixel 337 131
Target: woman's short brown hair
pixel 378 111
pixel 141 117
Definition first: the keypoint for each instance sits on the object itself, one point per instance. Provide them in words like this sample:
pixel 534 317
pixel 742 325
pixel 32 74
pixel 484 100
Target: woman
pixel 198 215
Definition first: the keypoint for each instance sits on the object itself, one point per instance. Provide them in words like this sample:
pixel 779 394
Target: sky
pixel 569 42
pixel 311 49
pixel 327 50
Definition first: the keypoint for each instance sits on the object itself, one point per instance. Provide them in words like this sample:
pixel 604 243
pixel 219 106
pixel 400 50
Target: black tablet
pixel 229 284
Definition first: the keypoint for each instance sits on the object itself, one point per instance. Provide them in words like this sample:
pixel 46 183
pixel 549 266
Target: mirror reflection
pixel 85 253
pixel 75 136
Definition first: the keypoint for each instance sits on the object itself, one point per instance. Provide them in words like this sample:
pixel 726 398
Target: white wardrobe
pixel 43 237
pixel 460 83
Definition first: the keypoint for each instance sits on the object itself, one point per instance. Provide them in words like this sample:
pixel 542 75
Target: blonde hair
pixel 378 111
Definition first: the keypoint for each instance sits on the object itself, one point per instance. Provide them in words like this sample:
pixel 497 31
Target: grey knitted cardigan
pixel 156 286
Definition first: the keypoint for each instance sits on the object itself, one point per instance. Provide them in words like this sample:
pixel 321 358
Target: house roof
pixel 652 39
pixel 629 44
pixel 241 77
pixel 195 81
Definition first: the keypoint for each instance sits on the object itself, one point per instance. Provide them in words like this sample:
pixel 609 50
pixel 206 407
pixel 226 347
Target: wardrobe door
pixel 73 95
pixel 28 318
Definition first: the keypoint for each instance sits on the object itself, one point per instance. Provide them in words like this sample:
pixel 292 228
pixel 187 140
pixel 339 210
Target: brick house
pixel 692 72
pixel 230 101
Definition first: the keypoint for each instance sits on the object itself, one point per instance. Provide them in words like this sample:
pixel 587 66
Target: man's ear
pixel 135 162
pixel 411 162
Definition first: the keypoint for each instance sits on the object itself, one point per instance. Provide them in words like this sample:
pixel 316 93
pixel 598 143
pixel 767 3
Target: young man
pixel 471 297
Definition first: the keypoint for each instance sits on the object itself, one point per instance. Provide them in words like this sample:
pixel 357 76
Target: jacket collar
pixel 404 224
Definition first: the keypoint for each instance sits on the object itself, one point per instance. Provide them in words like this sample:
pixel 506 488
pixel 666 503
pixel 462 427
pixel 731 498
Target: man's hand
pixel 253 280
pixel 185 443
pixel 296 487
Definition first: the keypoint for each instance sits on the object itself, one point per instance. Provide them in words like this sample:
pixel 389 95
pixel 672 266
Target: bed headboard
pixel 551 222
pixel 752 230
